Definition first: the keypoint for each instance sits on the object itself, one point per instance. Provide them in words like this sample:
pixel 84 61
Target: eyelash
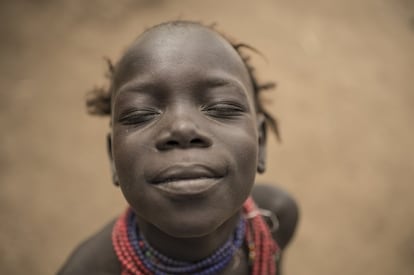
pixel 137 117
pixel 224 110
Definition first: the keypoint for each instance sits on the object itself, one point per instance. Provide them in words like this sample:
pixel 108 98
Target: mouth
pixel 187 180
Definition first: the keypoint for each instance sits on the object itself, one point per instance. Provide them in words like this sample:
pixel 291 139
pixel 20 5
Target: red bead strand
pixel 262 248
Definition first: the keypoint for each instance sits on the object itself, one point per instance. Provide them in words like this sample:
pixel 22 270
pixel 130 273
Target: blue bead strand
pixel 160 264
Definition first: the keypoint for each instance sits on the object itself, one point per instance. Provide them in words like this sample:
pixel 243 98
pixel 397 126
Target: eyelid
pixel 224 109
pixel 136 116
pixel 131 110
pixel 224 104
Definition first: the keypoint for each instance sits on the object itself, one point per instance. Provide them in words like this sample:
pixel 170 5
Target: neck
pixel 188 249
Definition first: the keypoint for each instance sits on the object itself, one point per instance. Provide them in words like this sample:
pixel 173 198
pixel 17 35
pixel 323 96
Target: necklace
pixel 263 250
pixel 137 256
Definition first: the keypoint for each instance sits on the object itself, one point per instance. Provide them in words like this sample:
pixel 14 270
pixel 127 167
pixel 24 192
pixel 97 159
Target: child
pixel 188 134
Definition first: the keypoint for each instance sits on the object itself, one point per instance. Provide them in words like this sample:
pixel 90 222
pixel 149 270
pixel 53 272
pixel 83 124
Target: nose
pixel 181 133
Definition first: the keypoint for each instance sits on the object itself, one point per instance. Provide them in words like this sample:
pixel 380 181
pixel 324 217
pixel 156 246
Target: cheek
pixel 127 154
pixel 128 159
pixel 244 158
pixel 243 144
pixel 247 159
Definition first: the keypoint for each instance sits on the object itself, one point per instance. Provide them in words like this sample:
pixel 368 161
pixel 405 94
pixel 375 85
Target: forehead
pixel 181 53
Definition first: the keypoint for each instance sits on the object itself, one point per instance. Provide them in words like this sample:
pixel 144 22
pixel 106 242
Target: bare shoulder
pixel 94 256
pixel 283 206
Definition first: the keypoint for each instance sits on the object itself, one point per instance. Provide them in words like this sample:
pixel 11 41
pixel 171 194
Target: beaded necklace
pixel 137 256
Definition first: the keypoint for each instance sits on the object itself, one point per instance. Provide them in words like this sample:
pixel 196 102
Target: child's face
pixel 184 130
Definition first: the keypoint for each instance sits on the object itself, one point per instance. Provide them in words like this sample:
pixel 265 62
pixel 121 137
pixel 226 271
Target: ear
pixel 115 179
pixel 262 137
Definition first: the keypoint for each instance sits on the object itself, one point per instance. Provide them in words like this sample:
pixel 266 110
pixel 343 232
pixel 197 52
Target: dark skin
pixel 186 141
pixel 96 255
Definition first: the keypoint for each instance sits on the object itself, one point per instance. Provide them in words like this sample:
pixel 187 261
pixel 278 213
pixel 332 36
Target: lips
pixel 185 172
pixel 187 179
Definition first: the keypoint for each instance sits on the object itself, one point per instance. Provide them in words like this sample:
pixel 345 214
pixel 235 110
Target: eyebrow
pixel 214 81
pixel 223 81
pixel 138 85
pixel 149 86
pixel 217 82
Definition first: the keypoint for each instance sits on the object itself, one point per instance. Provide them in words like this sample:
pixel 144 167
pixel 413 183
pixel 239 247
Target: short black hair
pixel 98 101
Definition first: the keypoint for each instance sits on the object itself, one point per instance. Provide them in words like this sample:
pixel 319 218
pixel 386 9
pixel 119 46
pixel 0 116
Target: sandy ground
pixel 345 100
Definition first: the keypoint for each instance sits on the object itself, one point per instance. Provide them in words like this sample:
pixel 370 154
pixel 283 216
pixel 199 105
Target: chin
pixel 192 227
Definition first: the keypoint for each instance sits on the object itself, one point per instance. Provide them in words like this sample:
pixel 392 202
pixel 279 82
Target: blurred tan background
pixel 345 101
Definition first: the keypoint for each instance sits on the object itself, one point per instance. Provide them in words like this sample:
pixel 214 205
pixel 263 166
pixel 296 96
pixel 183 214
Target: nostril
pixel 177 143
pixel 182 138
pixel 172 144
pixel 197 142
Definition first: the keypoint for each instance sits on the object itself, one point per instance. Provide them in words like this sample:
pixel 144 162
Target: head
pixel 188 130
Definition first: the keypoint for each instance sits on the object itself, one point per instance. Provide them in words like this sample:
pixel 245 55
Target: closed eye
pixel 138 116
pixel 225 110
